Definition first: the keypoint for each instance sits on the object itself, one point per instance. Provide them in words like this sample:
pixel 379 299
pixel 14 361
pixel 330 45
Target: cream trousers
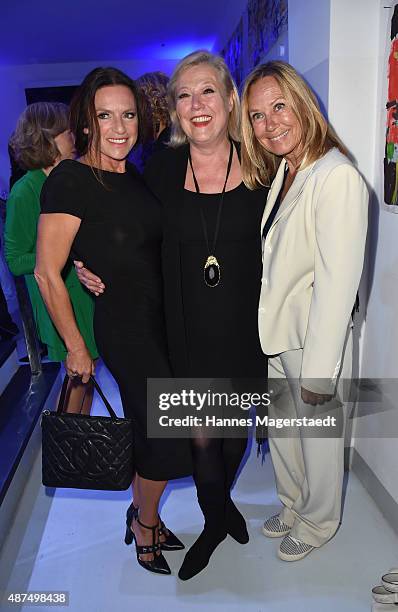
pixel 309 466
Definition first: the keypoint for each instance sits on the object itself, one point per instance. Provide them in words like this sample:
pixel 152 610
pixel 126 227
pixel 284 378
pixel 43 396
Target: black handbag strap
pixel 102 396
pixel 60 408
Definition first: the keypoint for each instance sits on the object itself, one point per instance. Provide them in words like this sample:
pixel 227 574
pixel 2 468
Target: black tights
pixel 217 459
pixel 216 462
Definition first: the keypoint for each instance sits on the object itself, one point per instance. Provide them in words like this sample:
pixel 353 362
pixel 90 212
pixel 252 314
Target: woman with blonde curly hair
pixel 40 141
pixel 153 86
pixel 155 133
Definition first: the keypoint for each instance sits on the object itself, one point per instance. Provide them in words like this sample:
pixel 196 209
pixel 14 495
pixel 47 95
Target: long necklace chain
pixel 212 270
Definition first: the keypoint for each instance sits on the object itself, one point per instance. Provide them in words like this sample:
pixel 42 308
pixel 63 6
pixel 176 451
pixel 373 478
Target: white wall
pixel 279 50
pixel 14 79
pixel 334 45
pixel 380 346
pixel 309 38
pixel 337 46
pixel 353 100
pixel 353 64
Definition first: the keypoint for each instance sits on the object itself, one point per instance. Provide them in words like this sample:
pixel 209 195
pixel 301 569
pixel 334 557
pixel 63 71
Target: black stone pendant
pixel 212 272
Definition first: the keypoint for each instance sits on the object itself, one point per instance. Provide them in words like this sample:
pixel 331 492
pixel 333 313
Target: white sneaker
pixel 381 595
pixel 275 528
pixel 292 549
pixel 390 582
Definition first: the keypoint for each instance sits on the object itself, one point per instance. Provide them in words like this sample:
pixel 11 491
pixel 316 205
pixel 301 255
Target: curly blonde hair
pixel 153 86
pixel 33 141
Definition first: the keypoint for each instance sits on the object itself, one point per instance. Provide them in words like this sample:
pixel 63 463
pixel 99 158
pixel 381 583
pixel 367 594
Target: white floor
pixel 74 542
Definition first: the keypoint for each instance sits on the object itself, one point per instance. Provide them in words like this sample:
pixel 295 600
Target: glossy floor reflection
pixel 73 541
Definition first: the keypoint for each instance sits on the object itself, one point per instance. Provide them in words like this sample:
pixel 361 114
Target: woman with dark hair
pixel 41 140
pixel 16 172
pixel 97 209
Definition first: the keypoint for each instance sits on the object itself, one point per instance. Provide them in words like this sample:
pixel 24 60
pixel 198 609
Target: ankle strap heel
pixel 158 564
pixel 170 543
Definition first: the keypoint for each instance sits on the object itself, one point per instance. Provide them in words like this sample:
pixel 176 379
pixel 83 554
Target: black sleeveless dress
pixel 120 240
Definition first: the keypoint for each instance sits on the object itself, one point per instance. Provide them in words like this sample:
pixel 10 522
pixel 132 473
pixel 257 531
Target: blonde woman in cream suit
pixel 313 239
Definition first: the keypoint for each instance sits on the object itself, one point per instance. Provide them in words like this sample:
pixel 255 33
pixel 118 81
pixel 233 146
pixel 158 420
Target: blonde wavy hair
pixel 178 136
pixel 259 166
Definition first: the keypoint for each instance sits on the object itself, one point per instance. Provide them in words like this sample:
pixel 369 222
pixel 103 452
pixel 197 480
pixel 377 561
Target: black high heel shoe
pixel 170 543
pixel 158 564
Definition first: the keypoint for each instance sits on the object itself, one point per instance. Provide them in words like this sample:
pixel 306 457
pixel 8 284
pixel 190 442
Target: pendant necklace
pixel 212 270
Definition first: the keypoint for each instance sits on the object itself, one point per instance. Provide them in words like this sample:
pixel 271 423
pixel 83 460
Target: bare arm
pixel 56 233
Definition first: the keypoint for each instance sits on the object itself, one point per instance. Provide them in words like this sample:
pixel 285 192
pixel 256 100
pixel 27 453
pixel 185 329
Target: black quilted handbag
pixel 86 452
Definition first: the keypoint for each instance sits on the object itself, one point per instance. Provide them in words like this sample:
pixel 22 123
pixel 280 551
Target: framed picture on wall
pixel 390 112
pixel 233 54
pixel 266 20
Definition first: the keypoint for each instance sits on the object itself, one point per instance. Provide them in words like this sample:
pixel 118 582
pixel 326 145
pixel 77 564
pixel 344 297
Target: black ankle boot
pixel 236 524
pixel 198 556
pixel 211 498
pixel 234 451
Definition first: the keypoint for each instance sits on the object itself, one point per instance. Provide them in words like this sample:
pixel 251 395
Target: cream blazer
pixel 312 263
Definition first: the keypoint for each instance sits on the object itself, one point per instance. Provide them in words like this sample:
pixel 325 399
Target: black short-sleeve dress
pixel 120 239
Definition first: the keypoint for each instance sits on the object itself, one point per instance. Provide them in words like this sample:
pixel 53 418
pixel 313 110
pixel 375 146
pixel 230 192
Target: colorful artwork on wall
pixel 391 144
pixel 233 53
pixel 266 21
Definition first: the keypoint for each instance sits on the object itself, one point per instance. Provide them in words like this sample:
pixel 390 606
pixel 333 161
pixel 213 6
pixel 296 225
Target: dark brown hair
pixel 82 109
pixel 32 143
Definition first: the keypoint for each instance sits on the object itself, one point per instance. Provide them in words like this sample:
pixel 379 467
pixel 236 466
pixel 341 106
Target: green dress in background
pixel 23 210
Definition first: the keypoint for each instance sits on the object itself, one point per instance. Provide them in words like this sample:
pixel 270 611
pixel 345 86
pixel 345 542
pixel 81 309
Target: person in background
pixel 156 120
pixel 16 172
pixel 41 140
pixel 313 241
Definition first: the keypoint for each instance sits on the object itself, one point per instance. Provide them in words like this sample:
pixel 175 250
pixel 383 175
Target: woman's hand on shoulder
pixel 92 282
pixel 78 363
